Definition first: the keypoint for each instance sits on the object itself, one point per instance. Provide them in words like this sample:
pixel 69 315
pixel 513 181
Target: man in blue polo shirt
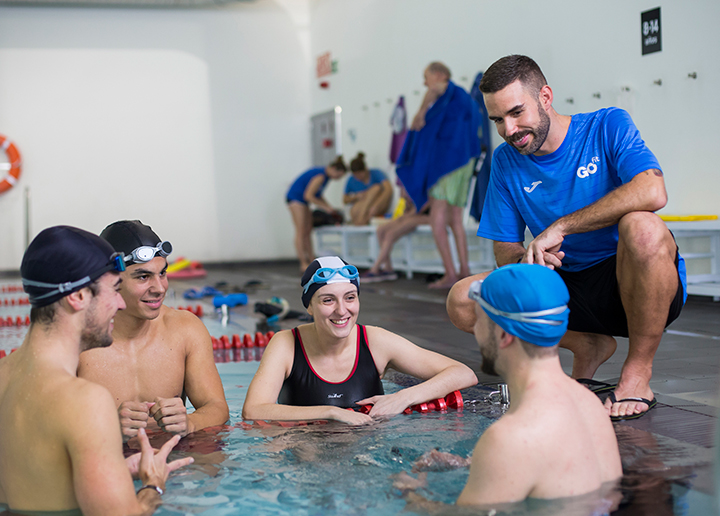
pixel 587 188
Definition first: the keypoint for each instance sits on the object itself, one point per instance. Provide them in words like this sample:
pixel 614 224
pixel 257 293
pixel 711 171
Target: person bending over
pixel 586 186
pixel 368 191
pixel 306 190
pixel 319 370
pixel 61 447
pixel 555 440
pixel 161 355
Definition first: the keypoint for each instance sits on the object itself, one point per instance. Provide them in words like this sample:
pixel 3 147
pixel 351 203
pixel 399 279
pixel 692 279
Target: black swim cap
pixel 62 260
pixel 128 235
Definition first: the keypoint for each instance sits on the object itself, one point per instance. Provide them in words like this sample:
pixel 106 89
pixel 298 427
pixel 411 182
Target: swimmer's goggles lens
pixel 146 253
pixel 526 317
pixel 324 274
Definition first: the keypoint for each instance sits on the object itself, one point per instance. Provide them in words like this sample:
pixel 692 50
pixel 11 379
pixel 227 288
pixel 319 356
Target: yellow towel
pixel 180 264
pixel 687 218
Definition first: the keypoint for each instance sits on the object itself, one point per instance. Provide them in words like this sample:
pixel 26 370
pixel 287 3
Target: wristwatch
pixel 150 486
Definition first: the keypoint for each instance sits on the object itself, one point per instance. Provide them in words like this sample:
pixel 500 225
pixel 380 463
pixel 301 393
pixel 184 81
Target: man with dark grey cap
pixel 555 440
pixel 160 355
pixel 61 448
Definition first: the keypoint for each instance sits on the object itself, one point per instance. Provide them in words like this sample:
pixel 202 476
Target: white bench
pixel 699 244
pixel 415 252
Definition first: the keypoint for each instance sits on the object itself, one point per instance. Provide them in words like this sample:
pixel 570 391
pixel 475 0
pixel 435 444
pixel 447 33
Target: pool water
pixel 332 469
pixel 328 468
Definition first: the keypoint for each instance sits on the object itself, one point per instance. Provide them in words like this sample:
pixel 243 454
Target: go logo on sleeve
pixel 590 169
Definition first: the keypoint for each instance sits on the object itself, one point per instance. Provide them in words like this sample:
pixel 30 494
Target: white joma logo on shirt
pixel 529 189
pixel 335 395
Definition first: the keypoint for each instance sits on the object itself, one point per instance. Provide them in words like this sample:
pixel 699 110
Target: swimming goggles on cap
pixel 324 274
pixel 528 317
pixel 116 263
pixel 146 253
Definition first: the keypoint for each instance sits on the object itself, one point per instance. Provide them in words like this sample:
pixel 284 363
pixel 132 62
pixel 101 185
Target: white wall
pixel 197 120
pixel 194 121
pixel 583 47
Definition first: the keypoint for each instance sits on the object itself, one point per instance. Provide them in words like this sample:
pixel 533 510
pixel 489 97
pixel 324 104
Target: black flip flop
pixel 596 386
pixel 650 403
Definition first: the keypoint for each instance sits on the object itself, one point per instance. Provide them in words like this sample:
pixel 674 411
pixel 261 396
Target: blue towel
pixel 447 142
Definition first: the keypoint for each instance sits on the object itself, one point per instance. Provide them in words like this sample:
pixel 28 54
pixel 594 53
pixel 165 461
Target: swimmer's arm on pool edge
pixel 275 366
pixel 101 477
pixel 502 468
pixel 202 385
pixel 442 374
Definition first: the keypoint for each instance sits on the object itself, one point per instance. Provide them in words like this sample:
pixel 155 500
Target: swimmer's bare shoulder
pixel 68 442
pixel 274 368
pixel 502 467
pixel 279 354
pixel 101 479
pixel 184 327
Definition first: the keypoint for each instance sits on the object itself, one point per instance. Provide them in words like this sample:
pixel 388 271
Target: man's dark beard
pixel 93 336
pixel 489 356
pixel 539 134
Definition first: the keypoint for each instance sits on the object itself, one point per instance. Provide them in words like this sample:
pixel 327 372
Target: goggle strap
pixel 530 317
pixel 59 288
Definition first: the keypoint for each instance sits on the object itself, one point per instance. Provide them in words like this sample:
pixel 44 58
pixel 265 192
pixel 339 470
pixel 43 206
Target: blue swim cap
pixel 526 300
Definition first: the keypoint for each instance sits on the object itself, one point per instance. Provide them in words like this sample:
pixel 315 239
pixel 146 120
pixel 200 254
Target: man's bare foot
pixel 446 282
pixel 630 386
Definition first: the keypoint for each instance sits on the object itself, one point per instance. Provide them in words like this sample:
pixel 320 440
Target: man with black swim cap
pixel 555 440
pixel 160 354
pixel 61 448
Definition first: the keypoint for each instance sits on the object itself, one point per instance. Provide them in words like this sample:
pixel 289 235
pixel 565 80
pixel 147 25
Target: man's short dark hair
pixel 509 69
pixel 45 315
pixel 534 351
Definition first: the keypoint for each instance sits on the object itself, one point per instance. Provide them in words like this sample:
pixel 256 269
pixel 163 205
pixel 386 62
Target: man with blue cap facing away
pixel 555 440
pixel 61 448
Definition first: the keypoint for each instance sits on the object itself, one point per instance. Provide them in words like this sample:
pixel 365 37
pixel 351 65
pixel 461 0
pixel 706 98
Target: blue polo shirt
pixel 601 151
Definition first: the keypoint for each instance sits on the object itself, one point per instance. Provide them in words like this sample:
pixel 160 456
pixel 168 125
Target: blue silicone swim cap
pixel 526 300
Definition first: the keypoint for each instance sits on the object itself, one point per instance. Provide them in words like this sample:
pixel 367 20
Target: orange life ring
pixel 7 182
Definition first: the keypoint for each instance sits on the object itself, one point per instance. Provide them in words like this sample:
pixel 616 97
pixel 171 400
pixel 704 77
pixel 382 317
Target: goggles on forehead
pixel 146 253
pixel 528 317
pixel 324 274
pixel 116 263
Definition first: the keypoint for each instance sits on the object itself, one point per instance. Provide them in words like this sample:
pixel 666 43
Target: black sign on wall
pixel 650 31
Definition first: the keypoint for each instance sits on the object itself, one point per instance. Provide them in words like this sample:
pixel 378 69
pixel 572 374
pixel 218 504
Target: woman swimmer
pixel 318 370
pixel 368 191
pixel 307 189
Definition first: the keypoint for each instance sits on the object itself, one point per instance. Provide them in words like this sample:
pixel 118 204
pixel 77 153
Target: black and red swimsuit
pixel 304 387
